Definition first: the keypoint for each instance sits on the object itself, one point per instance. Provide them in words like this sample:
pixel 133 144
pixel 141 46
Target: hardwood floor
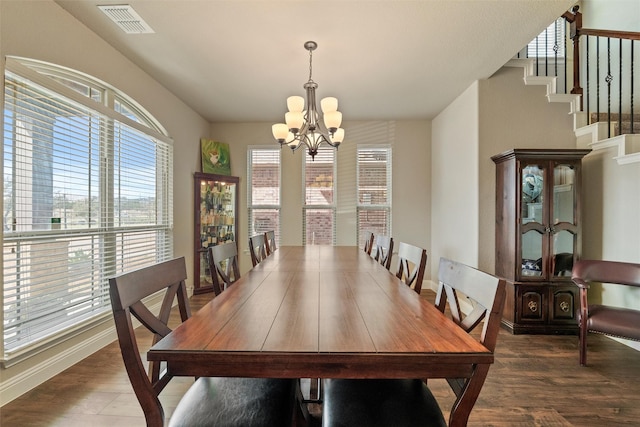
pixel 535 381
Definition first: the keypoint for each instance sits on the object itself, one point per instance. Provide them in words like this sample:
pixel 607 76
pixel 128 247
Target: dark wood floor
pixel 536 381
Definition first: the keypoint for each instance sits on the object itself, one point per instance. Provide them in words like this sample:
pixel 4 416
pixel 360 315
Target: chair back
pixel 603 318
pixel 270 239
pixel 624 273
pixel 412 262
pixel 384 250
pixel 127 292
pixel 223 264
pixel 368 242
pixel 486 292
pixel 257 248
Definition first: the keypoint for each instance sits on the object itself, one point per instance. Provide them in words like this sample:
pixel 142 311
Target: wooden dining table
pixel 322 312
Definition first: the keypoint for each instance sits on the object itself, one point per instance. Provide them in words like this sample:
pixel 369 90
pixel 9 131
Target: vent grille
pixel 127 19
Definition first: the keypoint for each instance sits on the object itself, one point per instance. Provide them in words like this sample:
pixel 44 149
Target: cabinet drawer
pixel 532 304
pixel 563 304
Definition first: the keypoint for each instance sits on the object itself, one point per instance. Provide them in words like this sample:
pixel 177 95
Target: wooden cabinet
pixel 538 237
pixel 216 221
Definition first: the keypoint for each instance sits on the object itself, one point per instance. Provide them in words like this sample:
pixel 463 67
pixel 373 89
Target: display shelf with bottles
pixel 538 237
pixel 216 221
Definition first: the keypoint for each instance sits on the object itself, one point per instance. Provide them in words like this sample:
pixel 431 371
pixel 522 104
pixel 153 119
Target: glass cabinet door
pixel 563 223
pixel 533 220
pixel 216 205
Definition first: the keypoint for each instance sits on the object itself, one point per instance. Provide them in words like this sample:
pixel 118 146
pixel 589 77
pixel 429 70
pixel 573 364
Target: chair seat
pixel 615 321
pixel 247 402
pixel 379 403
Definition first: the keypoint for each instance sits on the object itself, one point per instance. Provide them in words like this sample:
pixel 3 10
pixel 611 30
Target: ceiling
pixel 238 60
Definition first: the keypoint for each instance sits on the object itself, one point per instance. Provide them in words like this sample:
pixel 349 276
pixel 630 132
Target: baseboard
pixel 36 375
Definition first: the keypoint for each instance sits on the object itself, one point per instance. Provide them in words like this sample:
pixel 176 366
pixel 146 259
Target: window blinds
pixel 263 169
pixel 319 203
pixel 87 195
pixel 374 190
pixel 550 42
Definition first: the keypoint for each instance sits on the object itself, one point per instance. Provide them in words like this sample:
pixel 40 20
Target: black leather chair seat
pixel 253 402
pixel 379 403
pixel 616 321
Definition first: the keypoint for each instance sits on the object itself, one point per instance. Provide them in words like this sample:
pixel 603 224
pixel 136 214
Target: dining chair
pixel 412 262
pixel 270 240
pixel 368 242
pixel 617 321
pixel 384 250
pixel 257 248
pixel 223 264
pixel 225 401
pixel 409 403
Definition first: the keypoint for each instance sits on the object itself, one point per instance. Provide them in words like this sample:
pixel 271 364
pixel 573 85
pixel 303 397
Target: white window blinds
pixel 263 169
pixel 374 190
pixel 319 197
pixel 87 195
pixel 550 42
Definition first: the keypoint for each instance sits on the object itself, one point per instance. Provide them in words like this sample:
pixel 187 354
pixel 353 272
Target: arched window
pixel 87 195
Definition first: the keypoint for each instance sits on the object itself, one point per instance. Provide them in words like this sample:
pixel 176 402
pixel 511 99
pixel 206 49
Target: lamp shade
pixel 294 120
pixel 295 104
pixel 280 131
pixel 338 136
pixel 332 120
pixel 329 104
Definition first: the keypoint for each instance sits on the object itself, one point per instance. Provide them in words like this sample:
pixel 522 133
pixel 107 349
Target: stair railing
pixel 617 49
pixel 608 67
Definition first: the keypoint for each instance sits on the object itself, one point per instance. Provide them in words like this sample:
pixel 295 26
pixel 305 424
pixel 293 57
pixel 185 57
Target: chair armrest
pixel 580 283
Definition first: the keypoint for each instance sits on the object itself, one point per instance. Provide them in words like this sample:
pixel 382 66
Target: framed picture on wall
pixel 215 157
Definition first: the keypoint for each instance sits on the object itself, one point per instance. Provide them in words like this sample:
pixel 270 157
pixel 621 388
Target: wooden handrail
pixel 628 35
pixel 574 18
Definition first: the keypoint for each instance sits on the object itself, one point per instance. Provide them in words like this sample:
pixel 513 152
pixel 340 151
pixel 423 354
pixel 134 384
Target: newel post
pixel 574 18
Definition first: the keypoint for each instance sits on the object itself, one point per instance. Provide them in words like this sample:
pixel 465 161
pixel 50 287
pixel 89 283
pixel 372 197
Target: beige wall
pixel 410 180
pixel 612 193
pixel 44 31
pixel 454 182
pixel 513 115
pixel 490 117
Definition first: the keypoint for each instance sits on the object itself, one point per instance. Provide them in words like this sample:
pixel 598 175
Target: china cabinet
pixel 538 237
pixel 216 221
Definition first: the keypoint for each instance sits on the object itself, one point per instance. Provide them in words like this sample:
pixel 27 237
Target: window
pixel 550 42
pixel 87 195
pixel 263 170
pixel 374 190
pixel 319 209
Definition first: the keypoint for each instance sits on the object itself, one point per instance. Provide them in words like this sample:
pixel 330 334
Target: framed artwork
pixel 215 157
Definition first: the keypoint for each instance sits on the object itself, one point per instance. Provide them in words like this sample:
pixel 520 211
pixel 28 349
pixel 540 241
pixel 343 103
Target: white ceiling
pixel 238 60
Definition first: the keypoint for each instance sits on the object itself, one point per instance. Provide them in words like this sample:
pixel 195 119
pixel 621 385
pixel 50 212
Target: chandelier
pixel 303 125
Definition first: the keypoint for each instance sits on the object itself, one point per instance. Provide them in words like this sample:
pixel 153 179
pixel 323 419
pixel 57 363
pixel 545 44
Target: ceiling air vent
pixel 126 18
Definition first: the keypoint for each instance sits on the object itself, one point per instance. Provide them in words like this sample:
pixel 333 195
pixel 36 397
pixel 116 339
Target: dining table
pixel 323 312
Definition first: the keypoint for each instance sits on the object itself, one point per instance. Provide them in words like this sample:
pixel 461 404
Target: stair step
pixel 616 127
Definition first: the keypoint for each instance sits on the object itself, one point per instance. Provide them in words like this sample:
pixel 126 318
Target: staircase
pixel 595 135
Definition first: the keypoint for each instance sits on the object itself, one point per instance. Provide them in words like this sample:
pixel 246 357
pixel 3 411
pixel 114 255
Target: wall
pixel 612 194
pixel 491 116
pixel 44 31
pixel 454 182
pixel 410 180
pixel 513 115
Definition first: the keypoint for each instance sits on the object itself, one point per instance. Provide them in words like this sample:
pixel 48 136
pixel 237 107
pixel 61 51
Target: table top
pixel 323 312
